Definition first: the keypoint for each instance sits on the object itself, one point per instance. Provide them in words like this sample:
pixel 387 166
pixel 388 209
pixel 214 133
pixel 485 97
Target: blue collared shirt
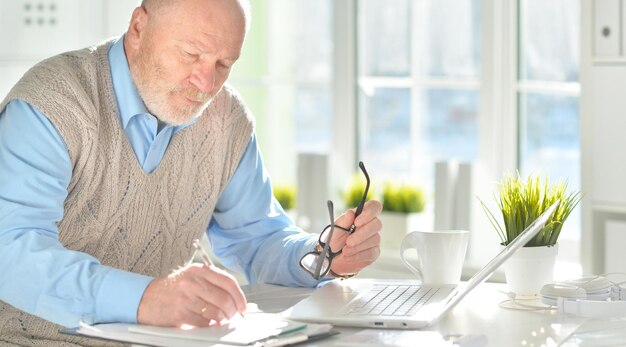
pixel 39 276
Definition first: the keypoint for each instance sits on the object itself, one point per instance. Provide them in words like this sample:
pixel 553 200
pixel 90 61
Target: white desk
pixel 479 313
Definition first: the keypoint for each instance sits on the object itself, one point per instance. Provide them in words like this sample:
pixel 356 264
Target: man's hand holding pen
pixel 198 295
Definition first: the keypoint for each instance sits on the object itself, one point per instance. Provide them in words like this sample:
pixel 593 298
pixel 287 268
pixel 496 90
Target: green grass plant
pixel 354 193
pixel 522 201
pixel 286 196
pixel 403 198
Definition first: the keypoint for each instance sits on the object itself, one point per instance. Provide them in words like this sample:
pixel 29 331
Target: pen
pixel 205 258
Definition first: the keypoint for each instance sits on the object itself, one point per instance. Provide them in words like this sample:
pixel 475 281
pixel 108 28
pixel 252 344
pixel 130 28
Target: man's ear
pixel 137 27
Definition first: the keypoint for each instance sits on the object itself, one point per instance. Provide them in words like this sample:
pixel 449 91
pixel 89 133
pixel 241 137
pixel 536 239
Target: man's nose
pixel 203 77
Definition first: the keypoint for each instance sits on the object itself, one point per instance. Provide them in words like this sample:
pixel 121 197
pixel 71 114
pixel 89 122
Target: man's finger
pixel 346 219
pixel 365 257
pixel 371 210
pixel 209 311
pixel 370 242
pixel 365 232
pixel 214 296
pixel 227 292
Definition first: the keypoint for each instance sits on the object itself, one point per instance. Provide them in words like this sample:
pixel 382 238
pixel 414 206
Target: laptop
pixel 399 304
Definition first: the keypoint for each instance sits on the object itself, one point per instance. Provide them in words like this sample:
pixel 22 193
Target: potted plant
pixel 354 193
pixel 520 202
pixel 286 196
pixel 402 205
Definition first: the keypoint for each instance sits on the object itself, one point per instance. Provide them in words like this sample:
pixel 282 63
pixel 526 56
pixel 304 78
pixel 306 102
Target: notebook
pixel 257 329
pixel 399 304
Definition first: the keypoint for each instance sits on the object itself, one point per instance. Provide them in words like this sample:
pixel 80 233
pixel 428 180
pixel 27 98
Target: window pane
pixel 409 129
pixel 549 135
pixel 448 130
pixel 384 37
pixel 313 66
pixel 255 97
pixel 313 122
pixel 550 40
pixel 313 43
pixel 285 76
pixel 449 124
pixel 449 38
pixel 386 136
pixel 550 143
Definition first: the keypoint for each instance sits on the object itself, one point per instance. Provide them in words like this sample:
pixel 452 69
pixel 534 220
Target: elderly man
pixel 113 159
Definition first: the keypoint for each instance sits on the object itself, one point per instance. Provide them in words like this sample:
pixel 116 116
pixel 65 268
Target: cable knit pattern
pixel 139 222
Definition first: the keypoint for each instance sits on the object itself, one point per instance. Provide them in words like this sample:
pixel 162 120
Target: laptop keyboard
pixel 390 300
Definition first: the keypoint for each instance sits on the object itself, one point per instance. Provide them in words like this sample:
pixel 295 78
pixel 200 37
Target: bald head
pixel 157 7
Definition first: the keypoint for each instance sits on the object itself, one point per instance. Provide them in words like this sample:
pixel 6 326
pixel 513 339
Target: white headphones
pixel 588 296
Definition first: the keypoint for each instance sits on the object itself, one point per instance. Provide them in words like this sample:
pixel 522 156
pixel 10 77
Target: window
pixel 284 75
pixel 488 82
pixel 548 91
pixel 418 77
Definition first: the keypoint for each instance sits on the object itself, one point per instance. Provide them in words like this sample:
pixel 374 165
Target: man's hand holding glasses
pixel 354 240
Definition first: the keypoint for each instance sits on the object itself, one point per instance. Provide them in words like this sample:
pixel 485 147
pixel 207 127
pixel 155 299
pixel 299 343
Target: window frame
pixel 499 120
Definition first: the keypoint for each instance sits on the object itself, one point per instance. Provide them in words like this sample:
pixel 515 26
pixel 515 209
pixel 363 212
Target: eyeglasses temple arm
pixel 322 255
pixel 359 208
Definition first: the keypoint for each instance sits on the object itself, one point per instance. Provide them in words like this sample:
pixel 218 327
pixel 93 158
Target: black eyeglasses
pixel 318 262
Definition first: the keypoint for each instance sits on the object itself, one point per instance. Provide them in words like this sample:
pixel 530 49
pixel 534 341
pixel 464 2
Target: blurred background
pixel 446 95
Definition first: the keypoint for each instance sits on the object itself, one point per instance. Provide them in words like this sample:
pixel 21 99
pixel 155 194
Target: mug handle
pixel 407 243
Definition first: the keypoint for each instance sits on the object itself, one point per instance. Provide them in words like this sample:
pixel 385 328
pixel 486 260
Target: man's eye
pixel 189 54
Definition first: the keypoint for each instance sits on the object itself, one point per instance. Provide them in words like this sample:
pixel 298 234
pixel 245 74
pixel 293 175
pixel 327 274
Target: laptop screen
pixel 484 273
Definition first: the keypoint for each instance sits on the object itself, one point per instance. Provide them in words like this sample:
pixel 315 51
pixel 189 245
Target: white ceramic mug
pixel 440 255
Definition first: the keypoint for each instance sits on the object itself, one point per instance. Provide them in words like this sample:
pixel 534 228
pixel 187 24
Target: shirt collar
pixel 128 99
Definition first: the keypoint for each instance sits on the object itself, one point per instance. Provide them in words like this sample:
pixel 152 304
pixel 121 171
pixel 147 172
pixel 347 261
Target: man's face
pixel 182 54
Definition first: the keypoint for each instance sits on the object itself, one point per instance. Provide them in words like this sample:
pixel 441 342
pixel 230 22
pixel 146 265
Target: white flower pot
pixel 396 225
pixel 530 268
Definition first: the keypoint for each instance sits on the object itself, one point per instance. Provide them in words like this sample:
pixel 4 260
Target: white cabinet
pixel 35 29
pixel 603 133
pixel 32 30
pixel 608 149
pixel 606 29
pixel 614 241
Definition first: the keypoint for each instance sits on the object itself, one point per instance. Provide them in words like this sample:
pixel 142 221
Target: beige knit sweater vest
pixel 127 219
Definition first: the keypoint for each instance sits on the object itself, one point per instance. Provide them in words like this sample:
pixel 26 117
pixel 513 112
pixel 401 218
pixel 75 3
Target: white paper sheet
pixel 239 331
